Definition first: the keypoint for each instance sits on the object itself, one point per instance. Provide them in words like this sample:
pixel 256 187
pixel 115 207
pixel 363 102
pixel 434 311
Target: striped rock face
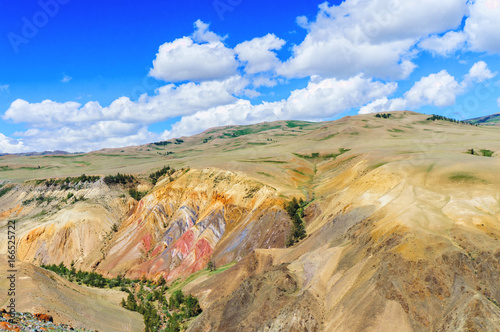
pixel 203 215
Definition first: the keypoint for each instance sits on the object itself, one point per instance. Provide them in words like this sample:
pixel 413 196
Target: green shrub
pixel 211 266
pixel 487 153
pixel 176 300
pixel 5 189
pixel 192 307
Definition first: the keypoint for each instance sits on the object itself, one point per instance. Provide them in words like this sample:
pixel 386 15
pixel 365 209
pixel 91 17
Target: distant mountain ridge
pixel 492 120
pixel 44 153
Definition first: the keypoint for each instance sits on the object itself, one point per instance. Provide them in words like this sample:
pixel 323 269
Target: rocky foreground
pixel 25 321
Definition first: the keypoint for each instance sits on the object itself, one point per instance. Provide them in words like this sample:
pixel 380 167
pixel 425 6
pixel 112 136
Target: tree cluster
pixel 162 143
pixel 144 296
pixel 93 279
pixel 435 117
pixel 295 209
pixel 166 170
pixel 136 194
pixel 68 182
pixel 154 306
pixel 119 179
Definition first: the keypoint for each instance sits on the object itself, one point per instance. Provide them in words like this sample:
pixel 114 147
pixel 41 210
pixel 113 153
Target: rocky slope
pixel 391 249
pixel 201 215
pixel 39 290
pixel 52 228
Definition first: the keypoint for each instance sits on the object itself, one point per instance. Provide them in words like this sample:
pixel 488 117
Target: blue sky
pixel 73 71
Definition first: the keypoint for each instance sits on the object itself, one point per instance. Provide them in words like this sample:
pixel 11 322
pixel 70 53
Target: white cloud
pixel 384 105
pixel 436 89
pixel 72 126
pixel 445 45
pixel 170 101
pixel 440 89
pixel 330 97
pixel 482 26
pixel 371 37
pixel 479 72
pixel 4 88
pixel 258 81
pixel 66 78
pixel 186 60
pixel 10 145
pixel 202 34
pixel 47 113
pixel 258 53
pixel 109 134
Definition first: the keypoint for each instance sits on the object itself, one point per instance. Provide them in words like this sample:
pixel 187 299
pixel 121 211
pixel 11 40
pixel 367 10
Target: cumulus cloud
pixel 436 89
pixel 259 81
pixel 384 105
pixel 329 97
pixel 445 45
pixel 202 34
pixel 109 134
pixel 169 101
pixel 10 145
pixel 124 122
pixel 258 53
pixel 479 72
pixel 203 59
pixel 373 37
pixel 440 89
pixel 482 26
